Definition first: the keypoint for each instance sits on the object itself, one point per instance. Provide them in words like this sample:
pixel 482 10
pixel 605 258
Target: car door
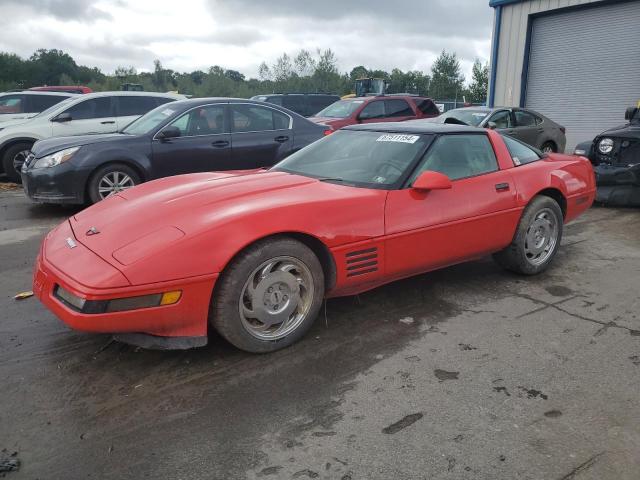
pixel 261 136
pixel 476 216
pixel 131 107
pixel 526 129
pixel 204 143
pixel 503 120
pixel 92 115
pixel 397 110
pixel 372 112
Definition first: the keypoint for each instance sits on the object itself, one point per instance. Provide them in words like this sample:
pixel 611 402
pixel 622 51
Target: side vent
pixel 360 262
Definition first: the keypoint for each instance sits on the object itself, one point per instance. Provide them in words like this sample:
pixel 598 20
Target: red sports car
pixel 253 254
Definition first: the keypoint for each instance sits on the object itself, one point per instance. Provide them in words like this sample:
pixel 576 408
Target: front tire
pixel 110 180
pixel 269 296
pixel 537 238
pixel 13 159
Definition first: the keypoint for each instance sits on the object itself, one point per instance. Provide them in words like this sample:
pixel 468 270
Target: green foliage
pixel 479 82
pixel 447 82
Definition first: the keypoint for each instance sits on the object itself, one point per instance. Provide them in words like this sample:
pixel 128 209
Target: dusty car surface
pixel 253 254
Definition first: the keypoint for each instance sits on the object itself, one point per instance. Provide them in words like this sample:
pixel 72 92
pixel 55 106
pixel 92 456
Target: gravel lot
pixel 465 373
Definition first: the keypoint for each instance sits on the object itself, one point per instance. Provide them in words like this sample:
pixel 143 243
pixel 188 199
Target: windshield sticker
pixel 398 138
pixel 167 111
pixel 516 160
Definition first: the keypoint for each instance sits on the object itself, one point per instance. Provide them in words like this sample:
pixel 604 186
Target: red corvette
pixel 253 254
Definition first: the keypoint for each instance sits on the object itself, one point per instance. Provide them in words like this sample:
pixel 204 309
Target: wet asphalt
pixel 465 373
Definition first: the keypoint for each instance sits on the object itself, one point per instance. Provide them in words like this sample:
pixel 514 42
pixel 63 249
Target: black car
pixel 204 134
pixel 615 154
pixel 305 104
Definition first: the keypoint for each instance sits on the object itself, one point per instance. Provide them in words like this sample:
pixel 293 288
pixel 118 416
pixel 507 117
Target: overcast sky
pixel 239 34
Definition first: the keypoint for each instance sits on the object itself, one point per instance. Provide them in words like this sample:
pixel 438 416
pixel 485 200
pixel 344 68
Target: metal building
pixel 575 61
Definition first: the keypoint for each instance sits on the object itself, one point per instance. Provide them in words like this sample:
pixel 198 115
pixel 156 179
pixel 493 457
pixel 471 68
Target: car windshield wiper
pixel 330 179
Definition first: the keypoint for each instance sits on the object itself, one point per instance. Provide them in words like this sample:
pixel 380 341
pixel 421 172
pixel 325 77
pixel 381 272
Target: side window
pixel 427 107
pixel 294 103
pixel 459 156
pixel 538 120
pixel 373 110
pixel 161 100
pixel 208 120
pixel 524 119
pixel 39 103
pixel 252 118
pixel 502 119
pixel 520 153
pixel 397 108
pixel 318 102
pixel 274 100
pixel 94 108
pixel 129 105
pixel 12 104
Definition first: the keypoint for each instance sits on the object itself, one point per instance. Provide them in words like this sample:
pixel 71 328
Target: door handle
pixel 220 144
pixel 502 187
pixel 281 139
pixel 108 122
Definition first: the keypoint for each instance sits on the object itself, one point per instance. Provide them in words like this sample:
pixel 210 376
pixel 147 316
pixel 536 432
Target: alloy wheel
pixel 114 182
pixel 541 237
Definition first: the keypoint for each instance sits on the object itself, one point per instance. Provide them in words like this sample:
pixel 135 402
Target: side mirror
pixel 63 117
pixel 630 113
pixel 430 180
pixel 492 125
pixel 168 132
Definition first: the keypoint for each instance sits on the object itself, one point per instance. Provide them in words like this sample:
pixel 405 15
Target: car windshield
pixel 150 120
pixel 52 108
pixel 358 157
pixel 340 109
pixel 470 117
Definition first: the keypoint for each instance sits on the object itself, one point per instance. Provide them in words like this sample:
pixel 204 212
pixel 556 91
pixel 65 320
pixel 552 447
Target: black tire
pixel 549 146
pixel 517 257
pixel 10 155
pixel 224 312
pixel 93 187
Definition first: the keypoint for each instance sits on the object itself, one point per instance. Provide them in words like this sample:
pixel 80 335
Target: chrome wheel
pixel 547 148
pixel 114 182
pixel 541 237
pixel 19 159
pixel 276 298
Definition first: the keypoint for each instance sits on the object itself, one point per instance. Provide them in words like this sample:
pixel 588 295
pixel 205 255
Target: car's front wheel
pixel 269 296
pixel 13 160
pixel 537 238
pixel 111 179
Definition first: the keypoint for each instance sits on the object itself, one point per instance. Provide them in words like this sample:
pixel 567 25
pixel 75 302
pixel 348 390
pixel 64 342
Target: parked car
pixel 63 88
pixel 104 112
pixel 254 254
pixel 187 136
pixel 615 154
pixel 387 108
pixel 526 125
pixel 16 107
pixel 305 104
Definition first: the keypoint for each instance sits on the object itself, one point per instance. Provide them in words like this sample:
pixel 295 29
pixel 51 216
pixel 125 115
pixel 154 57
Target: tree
pixel 358 72
pixel 446 79
pixel 234 75
pixel 304 64
pixel 479 82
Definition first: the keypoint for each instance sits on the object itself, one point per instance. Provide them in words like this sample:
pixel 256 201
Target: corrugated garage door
pixel 584 68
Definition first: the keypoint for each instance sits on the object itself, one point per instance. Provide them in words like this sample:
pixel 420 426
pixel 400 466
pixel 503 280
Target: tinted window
pixel 459 156
pixel 94 108
pixel 274 100
pixel 295 103
pixel 208 120
pixel 520 153
pixel 427 107
pixel 39 103
pixel 11 104
pixel 373 110
pixel 502 119
pixel 251 118
pixel 129 106
pixel 397 108
pixel 161 100
pixel 318 102
pixel 524 119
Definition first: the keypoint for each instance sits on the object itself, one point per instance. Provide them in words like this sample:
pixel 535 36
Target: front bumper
pixel 186 318
pixel 63 184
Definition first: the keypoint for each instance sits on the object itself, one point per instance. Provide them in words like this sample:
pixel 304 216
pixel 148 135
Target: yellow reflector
pixel 169 298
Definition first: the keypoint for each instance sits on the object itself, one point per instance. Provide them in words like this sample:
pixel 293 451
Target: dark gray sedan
pixel 198 135
pixel 526 125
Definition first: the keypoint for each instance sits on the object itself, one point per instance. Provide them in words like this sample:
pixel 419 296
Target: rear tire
pixel 15 157
pixel 269 296
pixel 537 238
pixel 111 179
pixel 549 147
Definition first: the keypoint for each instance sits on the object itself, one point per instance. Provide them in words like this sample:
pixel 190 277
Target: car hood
pixel 55 144
pixel 628 130
pixel 169 215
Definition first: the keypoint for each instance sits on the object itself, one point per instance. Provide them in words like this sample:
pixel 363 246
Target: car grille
pixel 361 262
pixel 626 151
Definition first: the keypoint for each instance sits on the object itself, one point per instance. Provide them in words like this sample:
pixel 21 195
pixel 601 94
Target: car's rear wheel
pixel 13 159
pixel 269 296
pixel 537 238
pixel 549 147
pixel 110 180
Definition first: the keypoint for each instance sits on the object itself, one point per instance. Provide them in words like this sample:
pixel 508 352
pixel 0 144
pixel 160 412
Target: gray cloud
pixel 63 9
